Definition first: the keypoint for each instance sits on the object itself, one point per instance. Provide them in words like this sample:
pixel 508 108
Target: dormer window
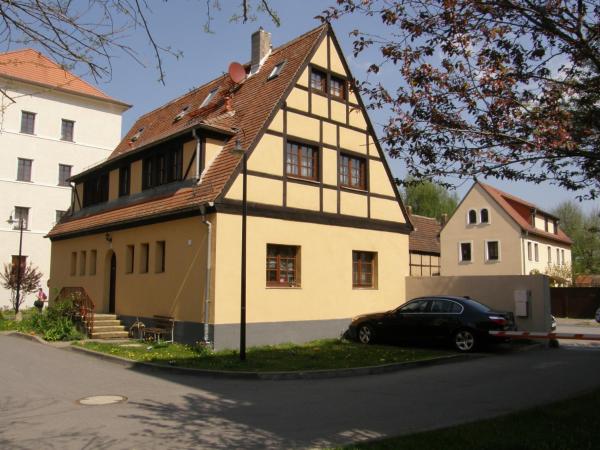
pixel 485 216
pixel 208 98
pixel 181 114
pixel 276 70
pixel 472 217
pixel 137 135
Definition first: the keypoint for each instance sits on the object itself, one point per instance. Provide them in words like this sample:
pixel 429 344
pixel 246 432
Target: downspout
pixel 523 237
pixel 198 148
pixel 208 274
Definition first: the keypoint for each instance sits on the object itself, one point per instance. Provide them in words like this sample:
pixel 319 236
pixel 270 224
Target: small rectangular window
pixel 283 265
pixel 353 172
pixel 124 180
pixel 529 254
pixel 536 252
pixel 493 250
pixel 93 259
pixel 337 88
pixel 302 161
pixel 557 256
pixel 465 252
pixel 64 173
pixel 276 71
pixel 82 262
pixel 21 216
pixel 208 98
pixel 318 81
pixel 66 130
pixel 364 269
pixel 24 169
pixel 549 255
pixel 144 257
pixel 160 257
pixel 73 263
pixel 27 122
pixel 562 257
pixel 129 260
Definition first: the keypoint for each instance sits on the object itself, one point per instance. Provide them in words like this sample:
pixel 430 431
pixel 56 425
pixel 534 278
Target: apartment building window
pixel 129 258
pixel 73 263
pixel 492 250
pixel 283 268
pixel 549 255
pixel 21 214
pixel 337 88
pixel 124 180
pixel 27 122
pixel 318 81
pixel 545 224
pixel 464 252
pixel 95 189
pixel 59 215
pixel 144 257
pixel 353 172
pixel 472 217
pixel 93 260
pixel 302 161
pixel 64 173
pixel 558 256
pixel 82 262
pixel 163 167
pixel 160 256
pixel 529 253
pixel 66 130
pixel 563 257
pixel 364 269
pixel 24 169
pixel 485 216
pixel 536 251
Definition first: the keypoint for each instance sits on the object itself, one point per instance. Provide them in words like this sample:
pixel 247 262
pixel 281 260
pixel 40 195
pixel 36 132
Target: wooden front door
pixel 113 278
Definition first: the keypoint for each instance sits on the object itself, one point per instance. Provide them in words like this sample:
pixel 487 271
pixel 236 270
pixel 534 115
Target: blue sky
pixel 180 24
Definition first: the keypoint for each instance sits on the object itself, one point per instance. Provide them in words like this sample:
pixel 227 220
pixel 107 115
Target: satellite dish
pixel 237 73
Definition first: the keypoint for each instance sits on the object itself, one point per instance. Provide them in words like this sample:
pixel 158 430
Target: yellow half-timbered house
pixel 155 230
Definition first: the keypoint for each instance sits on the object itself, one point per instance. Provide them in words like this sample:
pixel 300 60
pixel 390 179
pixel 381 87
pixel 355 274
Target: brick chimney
pixel 261 49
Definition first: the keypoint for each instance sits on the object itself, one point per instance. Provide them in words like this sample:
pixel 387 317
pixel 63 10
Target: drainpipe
pixel 524 244
pixel 208 273
pixel 198 147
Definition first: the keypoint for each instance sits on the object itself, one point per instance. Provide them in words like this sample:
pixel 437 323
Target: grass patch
pixel 569 424
pixel 8 322
pixel 322 354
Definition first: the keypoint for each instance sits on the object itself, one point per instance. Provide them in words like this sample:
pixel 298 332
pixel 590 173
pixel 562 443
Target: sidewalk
pixel 577 322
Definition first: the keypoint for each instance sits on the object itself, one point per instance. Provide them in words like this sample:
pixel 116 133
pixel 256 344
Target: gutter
pixel 208 272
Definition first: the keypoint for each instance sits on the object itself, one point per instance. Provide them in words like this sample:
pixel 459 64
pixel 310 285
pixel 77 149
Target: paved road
pixel 39 387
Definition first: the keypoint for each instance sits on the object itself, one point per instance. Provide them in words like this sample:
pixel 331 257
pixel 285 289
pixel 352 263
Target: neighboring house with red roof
pixel 155 229
pixel 52 125
pixel 495 233
pixel 424 246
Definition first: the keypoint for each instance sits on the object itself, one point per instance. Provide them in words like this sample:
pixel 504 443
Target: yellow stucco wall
pixel 335 60
pixel 260 190
pixel 302 126
pixel 326 271
pixel 298 99
pixel 320 56
pixel 330 201
pixel 378 180
pixel 330 133
pixel 303 196
pixel 353 204
pixel 212 148
pixel 268 155
pixel 189 153
pixel 319 105
pixel 338 111
pixel 113 184
pixel 277 122
pixel 353 140
pixel 330 175
pixel 136 177
pixel 303 80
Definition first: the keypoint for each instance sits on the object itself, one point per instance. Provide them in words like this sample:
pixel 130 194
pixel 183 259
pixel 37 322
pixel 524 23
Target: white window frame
pixel 476 217
pixel 549 254
pixel 208 97
pixel 487 256
pixel 562 251
pixel 460 260
pixel 529 251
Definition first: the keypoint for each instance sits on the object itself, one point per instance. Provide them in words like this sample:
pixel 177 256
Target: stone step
pixel 102 316
pixel 101 328
pixel 107 322
pixel 110 334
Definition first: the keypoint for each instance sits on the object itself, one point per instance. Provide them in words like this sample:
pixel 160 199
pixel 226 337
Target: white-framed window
pixel 563 257
pixel 465 251
pixel 536 250
pixel 208 98
pixel 472 217
pixel 558 257
pixel 276 70
pixel 549 255
pixel 492 251
pixel 484 215
pixel 529 252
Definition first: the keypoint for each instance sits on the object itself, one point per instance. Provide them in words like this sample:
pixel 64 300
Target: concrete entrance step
pixel 108 323
pixel 109 334
pixel 99 328
pixel 103 316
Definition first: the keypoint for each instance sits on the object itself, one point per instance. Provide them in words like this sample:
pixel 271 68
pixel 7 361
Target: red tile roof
pixel 31 66
pixel 426 236
pixel 518 210
pixel 254 102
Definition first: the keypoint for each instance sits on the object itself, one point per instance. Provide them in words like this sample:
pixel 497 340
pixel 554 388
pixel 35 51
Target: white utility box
pixel 522 300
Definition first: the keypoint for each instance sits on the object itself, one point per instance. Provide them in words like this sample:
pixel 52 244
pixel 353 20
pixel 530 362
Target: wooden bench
pixel 164 326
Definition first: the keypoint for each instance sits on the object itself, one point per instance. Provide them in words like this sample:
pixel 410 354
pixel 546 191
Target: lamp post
pixel 238 150
pixel 12 221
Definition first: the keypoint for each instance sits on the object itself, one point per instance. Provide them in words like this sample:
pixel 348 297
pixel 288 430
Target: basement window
pixel 276 70
pixel 208 98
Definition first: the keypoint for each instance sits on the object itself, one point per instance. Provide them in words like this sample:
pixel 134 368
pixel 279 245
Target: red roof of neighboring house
pixel 31 66
pixel 426 236
pixel 519 211
pixel 253 103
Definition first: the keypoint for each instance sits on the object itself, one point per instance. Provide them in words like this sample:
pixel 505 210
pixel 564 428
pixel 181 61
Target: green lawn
pixel 567 425
pixel 323 354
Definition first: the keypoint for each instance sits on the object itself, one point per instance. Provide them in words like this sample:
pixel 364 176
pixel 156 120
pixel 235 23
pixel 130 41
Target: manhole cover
pixel 97 400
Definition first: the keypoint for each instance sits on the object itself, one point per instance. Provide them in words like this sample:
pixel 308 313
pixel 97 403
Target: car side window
pixel 418 306
pixel 445 307
pixel 455 308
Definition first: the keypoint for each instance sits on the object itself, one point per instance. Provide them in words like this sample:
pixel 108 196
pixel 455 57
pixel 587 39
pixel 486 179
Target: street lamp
pixel 238 150
pixel 12 221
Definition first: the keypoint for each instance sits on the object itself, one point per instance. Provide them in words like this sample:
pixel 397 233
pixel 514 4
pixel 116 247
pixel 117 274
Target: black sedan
pixel 463 321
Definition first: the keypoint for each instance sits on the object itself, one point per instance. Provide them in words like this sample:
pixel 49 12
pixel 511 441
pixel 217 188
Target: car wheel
pixel 365 334
pixel 464 341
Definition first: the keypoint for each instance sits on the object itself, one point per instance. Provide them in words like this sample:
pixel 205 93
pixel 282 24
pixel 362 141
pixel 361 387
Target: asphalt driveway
pixel 40 386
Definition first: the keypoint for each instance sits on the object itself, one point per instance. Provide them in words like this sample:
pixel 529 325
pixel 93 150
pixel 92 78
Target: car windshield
pixel 476 305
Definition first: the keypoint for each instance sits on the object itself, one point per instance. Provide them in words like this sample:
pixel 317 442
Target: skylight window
pixel 209 97
pixel 276 70
pixel 137 135
pixel 181 113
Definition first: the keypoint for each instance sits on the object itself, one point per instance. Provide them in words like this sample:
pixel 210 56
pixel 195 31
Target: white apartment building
pixel 52 125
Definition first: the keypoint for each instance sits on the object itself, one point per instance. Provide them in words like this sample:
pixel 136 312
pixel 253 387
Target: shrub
pixel 56 323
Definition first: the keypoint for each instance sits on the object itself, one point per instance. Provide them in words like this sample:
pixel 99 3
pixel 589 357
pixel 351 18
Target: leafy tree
pixel 29 282
pixel 504 88
pixel 429 199
pixel 584 230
